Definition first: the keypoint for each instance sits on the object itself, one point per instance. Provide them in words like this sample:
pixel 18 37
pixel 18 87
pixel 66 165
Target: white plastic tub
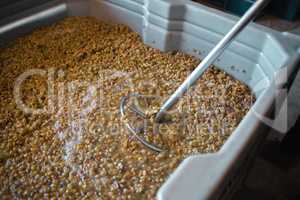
pixel 256 58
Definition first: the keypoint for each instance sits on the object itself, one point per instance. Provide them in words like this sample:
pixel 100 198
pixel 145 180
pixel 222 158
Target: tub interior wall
pixel 177 26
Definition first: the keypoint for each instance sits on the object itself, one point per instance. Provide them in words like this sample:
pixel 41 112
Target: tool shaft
pixel 212 56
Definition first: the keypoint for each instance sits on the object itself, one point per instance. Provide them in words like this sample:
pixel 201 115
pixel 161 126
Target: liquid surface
pixel 75 145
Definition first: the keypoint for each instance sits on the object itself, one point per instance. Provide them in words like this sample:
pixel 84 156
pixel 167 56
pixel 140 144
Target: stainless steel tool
pixel 253 11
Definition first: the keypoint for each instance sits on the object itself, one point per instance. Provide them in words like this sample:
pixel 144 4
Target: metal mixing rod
pixel 253 11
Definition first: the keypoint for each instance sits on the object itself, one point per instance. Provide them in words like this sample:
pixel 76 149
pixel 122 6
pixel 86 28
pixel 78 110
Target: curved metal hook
pixel 131 129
